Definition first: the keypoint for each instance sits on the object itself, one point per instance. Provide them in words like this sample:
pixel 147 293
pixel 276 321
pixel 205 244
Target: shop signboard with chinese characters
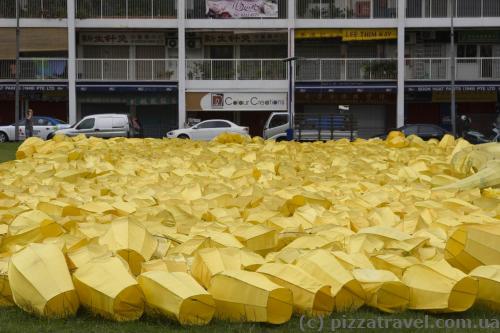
pixel 235 9
pixel 227 38
pixel 122 38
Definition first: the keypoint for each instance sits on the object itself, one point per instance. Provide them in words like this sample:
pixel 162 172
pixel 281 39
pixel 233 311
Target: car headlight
pixel 170 133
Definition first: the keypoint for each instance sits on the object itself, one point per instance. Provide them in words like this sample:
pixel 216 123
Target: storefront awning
pixel 347 88
pixel 132 88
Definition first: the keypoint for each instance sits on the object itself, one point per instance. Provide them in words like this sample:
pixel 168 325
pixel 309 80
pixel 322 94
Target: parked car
pixel 42 128
pixel 100 125
pixel 424 131
pixel 208 130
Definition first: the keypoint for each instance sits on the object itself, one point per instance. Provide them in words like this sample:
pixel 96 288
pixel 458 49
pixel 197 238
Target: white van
pixel 100 125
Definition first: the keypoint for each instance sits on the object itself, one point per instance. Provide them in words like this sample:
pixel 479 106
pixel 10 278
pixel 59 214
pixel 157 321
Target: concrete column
pixel 71 63
pixel 291 52
pixel 400 119
pixel 181 17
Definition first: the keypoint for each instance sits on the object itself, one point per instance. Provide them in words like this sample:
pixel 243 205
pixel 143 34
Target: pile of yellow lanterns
pixel 249 230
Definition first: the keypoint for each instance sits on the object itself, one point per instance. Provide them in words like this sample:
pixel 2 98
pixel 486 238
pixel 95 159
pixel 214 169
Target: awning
pixel 132 88
pixel 347 88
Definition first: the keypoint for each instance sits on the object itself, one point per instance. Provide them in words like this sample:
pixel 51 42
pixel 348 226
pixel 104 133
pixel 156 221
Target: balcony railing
pixel 442 8
pixel 197 9
pixel 236 69
pixel 51 9
pixel 346 9
pixel 126 69
pixel 346 69
pixel 130 9
pixel 35 69
pixel 427 69
pixel 467 69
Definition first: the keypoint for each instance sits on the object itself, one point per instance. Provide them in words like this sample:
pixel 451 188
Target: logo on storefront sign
pixel 217 101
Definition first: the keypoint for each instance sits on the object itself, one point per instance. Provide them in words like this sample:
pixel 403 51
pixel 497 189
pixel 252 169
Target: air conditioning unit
pixel 428 35
pixel 193 43
pixel 172 43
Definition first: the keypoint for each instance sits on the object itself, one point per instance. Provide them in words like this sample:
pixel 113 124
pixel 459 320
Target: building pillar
pixel 72 117
pixel 181 17
pixel 291 53
pixel 400 118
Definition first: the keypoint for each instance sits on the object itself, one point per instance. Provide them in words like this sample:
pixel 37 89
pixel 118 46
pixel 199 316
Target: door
pixel 119 126
pixel 486 54
pixel 86 126
pixel 104 127
pixel 209 130
pixel 223 67
pixel 42 127
pixel 277 124
pixel 371 119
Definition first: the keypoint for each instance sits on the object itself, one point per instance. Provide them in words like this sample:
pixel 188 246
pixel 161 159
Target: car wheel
pixel 50 136
pixel 183 137
pixel 3 137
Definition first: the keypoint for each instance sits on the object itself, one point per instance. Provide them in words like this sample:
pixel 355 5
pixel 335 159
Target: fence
pixel 346 9
pixel 35 69
pixel 442 8
pixel 236 69
pixel 126 69
pixel 346 69
pixel 427 69
pixel 467 69
pixel 54 9
pixel 108 9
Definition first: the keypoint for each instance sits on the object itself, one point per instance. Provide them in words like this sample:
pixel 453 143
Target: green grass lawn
pixel 8 151
pixel 16 321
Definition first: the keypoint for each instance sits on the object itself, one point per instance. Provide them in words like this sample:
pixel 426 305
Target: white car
pixel 99 125
pixel 43 127
pixel 207 130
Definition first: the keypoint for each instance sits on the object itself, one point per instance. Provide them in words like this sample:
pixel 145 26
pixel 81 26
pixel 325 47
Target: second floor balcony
pixel 346 9
pixel 126 9
pixel 346 70
pixel 34 69
pixel 126 69
pixel 236 69
pixel 34 9
pixel 439 69
pixel 442 8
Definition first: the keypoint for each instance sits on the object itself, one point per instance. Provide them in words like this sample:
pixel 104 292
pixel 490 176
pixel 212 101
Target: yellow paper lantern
pixel 41 283
pixel 177 296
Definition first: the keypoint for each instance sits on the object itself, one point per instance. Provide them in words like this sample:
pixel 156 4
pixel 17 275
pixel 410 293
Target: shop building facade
pixel 172 62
